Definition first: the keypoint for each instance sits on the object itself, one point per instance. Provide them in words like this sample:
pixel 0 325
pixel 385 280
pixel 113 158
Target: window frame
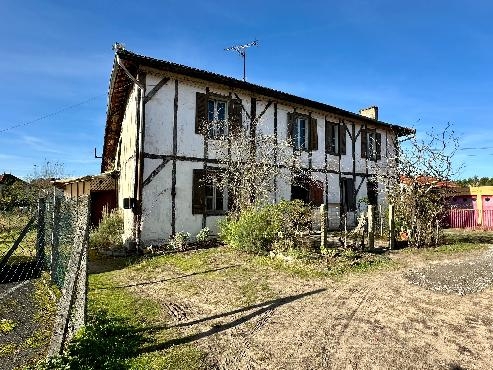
pixel 218 128
pixel 201 182
pixel 297 144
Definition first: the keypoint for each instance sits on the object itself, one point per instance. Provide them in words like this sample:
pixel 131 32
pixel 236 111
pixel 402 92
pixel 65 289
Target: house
pixel 101 190
pixel 153 139
pixel 472 207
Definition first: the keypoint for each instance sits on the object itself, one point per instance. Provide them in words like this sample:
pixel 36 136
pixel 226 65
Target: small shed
pixel 100 188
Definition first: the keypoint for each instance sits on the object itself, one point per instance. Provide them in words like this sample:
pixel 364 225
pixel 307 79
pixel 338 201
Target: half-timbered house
pixel 153 139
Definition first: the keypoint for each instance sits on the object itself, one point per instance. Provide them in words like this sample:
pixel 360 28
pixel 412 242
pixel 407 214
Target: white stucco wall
pixel 126 153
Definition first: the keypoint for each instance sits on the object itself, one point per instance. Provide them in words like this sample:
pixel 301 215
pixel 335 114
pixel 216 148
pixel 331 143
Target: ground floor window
pixel 207 198
pixel 307 190
pixel 348 195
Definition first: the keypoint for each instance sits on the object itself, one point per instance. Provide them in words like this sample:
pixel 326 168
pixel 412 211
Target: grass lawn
pixel 163 312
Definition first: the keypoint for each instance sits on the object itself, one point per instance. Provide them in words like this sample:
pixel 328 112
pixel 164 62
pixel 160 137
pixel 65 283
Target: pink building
pixel 472 207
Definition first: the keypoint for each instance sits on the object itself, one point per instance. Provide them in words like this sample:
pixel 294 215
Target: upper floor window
pixel 302 131
pixel 216 115
pixel 335 138
pixel 371 145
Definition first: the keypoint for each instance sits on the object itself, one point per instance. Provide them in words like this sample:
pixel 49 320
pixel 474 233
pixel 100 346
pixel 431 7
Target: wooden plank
pixel 155 89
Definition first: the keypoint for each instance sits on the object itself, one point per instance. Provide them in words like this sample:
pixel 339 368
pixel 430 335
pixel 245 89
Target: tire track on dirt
pixel 360 296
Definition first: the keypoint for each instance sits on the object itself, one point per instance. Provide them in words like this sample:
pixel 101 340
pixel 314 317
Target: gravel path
pixel 466 276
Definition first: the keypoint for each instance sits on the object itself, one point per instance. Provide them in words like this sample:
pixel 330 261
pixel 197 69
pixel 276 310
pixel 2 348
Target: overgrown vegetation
pixel 108 235
pixel 418 185
pixel 283 226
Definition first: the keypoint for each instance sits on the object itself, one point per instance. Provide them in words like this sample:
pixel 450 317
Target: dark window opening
pixel 372 191
pixel 348 195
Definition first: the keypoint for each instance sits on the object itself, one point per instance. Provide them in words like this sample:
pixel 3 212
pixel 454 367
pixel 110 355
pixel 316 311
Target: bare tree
pixel 417 182
pixel 250 166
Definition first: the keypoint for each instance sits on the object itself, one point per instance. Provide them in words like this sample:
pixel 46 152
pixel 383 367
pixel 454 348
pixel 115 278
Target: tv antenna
pixel 241 49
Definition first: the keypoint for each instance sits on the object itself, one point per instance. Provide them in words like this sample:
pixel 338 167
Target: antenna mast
pixel 241 49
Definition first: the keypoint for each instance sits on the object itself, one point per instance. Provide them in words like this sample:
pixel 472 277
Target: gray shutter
pixel 378 143
pixel 200 112
pixel 313 134
pixel 364 143
pixel 342 139
pixel 329 133
pixel 198 192
pixel 291 118
pixel 235 115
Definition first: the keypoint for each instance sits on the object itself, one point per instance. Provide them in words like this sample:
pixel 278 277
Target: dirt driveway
pixel 389 319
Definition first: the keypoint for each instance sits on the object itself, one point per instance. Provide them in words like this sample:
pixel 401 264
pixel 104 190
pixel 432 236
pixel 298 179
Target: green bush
pixel 108 235
pixel 260 229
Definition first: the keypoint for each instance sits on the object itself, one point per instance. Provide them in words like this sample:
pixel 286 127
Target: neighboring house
pixel 101 190
pixel 472 207
pixel 155 141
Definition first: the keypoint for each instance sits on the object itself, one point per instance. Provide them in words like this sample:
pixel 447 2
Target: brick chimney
pixel 370 112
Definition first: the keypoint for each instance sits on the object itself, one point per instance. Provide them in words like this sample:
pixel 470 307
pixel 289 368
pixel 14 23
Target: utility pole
pixel 241 49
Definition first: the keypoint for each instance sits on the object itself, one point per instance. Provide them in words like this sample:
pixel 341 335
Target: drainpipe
pixel 139 158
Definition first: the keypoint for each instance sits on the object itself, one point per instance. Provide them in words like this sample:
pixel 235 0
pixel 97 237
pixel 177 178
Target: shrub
pixel 203 235
pixel 260 229
pixel 179 241
pixel 108 235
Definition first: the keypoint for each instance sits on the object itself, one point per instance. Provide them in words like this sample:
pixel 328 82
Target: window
pixel 217 112
pixel 308 191
pixel 302 131
pixel 371 145
pixel 207 198
pixel 216 115
pixel 300 134
pixel 335 138
pixel 348 195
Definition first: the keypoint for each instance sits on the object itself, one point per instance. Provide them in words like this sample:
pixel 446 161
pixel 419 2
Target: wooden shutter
pixel 313 134
pixel 235 115
pixel 378 143
pixel 364 143
pixel 200 112
pixel 350 194
pixel 342 139
pixel 291 119
pixel 316 193
pixel 329 133
pixel 198 192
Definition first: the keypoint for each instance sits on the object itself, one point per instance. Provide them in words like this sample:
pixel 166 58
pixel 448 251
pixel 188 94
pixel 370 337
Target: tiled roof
pixel 120 88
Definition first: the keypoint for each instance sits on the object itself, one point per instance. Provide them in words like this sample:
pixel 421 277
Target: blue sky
pixel 424 63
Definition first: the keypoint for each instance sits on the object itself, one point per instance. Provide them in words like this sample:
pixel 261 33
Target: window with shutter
pixel 335 138
pixel 214 113
pixel 302 131
pixel 316 193
pixel 372 191
pixel 371 145
pixel 207 197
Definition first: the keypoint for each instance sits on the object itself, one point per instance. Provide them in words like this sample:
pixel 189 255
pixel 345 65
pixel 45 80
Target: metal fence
pixel 470 218
pixel 53 239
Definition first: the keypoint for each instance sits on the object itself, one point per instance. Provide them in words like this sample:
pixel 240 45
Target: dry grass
pixel 228 310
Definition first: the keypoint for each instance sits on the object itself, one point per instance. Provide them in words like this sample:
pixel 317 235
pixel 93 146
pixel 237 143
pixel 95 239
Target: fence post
pixel 55 238
pixel 371 228
pixel 40 240
pixel 323 227
pixel 391 227
pixel 381 219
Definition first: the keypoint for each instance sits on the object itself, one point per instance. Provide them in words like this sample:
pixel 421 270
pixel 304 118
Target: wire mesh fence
pixel 53 239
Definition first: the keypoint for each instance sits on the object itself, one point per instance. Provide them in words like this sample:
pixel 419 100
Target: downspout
pixel 139 158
